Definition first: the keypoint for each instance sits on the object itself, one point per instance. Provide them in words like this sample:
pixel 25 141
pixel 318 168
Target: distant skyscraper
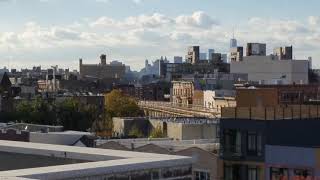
pixel 210 52
pixel 193 55
pixel 283 53
pixel 233 43
pixel 203 56
pixel 256 49
pixel 216 58
pixel 310 62
pixel 224 58
pixel 236 54
pixel 177 59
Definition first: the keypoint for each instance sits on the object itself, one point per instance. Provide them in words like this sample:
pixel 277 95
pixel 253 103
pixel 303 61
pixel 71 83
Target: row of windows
pixel 187 92
pixel 247 172
pixel 183 173
pixel 283 174
pixel 232 142
pixel 199 175
pixel 239 172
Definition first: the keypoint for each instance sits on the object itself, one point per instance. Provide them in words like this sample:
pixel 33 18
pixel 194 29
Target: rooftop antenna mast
pixel 233 33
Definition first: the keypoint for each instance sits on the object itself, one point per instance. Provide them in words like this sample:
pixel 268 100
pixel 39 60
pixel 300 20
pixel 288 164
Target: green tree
pixel 157 133
pixel 69 113
pixel 102 126
pixel 136 132
pixel 120 105
pixel 37 111
pixel 73 116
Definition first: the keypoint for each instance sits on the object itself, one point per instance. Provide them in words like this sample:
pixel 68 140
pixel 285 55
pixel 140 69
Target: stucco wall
pixel 193 131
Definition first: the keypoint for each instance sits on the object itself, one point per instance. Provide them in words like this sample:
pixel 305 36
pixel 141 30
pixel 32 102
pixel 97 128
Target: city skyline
pixel 46 32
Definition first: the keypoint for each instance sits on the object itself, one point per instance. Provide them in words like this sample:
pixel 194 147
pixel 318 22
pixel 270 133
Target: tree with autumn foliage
pixel 120 105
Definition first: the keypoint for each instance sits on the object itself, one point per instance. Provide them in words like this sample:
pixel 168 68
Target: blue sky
pixel 45 32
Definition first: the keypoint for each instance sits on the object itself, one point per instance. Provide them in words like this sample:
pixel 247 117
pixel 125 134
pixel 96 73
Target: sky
pixel 59 32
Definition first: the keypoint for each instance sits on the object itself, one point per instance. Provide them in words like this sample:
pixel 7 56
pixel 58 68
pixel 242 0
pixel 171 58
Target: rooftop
pixel 167 143
pixel 89 161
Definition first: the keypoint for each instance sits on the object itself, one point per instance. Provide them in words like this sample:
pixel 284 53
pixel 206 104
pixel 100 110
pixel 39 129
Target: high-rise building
pixel 177 59
pixel 224 58
pixel 146 63
pixel 103 59
pixel 310 62
pixel 193 55
pixel 283 53
pixel 233 43
pixel 256 49
pixel 210 52
pixel 216 57
pixel 236 54
pixel 203 56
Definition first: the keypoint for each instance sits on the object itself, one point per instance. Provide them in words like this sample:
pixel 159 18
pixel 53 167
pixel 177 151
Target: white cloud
pixel 197 19
pixel 108 1
pixel 143 21
pixel 314 20
pixel 146 36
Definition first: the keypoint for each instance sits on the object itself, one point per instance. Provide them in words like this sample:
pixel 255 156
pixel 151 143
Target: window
pixel 232 142
pixel 302 174
pixel 228 173
pixel 279 174
pixel 200 175
pixel 155 175
pixel 232 172
pixel 259 145
pixel 252 173
pixel 254 144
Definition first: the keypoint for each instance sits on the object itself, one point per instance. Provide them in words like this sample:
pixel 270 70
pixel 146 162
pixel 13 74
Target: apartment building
pixel 270 143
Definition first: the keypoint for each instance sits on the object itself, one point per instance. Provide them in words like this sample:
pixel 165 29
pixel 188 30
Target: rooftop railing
pixel 272 113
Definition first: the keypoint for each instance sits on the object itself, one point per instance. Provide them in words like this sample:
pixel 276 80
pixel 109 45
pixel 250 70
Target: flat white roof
pixel 105 161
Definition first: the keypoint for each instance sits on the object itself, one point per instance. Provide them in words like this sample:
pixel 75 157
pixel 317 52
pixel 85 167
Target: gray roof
pixel 104 161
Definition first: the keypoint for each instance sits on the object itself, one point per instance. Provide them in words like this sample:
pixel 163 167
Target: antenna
pixel 233 33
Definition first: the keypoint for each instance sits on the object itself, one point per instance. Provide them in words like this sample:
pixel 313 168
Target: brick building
pixel 102 70
pixel 273 95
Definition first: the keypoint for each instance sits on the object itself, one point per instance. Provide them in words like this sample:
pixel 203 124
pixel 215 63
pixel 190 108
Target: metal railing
pixel 180 109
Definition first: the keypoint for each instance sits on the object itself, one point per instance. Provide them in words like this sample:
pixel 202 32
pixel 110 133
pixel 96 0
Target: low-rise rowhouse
pixel 270 142
pixel 207 165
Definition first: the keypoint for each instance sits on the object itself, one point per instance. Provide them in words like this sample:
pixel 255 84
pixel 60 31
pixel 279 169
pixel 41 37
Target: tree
pixel 102 126
pixel 120 105
pixel 37 111
pixel 69 113
pixel 157 133
pixel 73 116
pixel 136 132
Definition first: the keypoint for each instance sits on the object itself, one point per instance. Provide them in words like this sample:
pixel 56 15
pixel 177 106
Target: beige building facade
pixel 182 92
